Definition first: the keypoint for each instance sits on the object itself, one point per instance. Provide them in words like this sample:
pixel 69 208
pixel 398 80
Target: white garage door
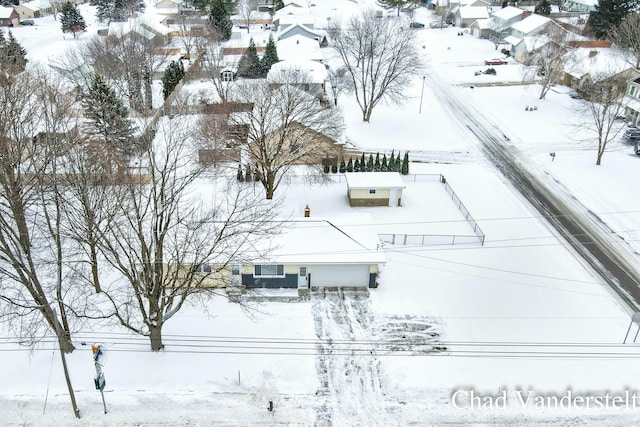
pixel 340 275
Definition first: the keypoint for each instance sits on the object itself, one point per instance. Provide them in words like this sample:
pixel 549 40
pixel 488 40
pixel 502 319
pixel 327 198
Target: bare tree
pixel 286 126
pixel 604 106
pixel 626 36
pixel 165 245
pixel 191 29
pixel 552 54
pixel 34 134
pixel 219 68
pixel 381 59
pixel 338 80
pixel 496 32
pixel 247 10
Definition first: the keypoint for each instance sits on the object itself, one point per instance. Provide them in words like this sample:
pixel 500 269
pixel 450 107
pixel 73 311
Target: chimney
pixel 592 53
pixel 307 212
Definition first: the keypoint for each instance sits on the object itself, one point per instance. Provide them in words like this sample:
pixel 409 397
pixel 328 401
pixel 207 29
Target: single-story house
pixel 585 6
pixel 9 17
pixel 305 256
pixel 374 188
pixel 34 9
pixel 302 30
pixel 584 66
pixel 632 102
pixel 464 16
pixel 299 48
pixel 312 75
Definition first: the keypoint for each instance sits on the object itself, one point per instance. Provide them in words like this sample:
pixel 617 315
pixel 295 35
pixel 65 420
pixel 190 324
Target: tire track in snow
pixel 350 388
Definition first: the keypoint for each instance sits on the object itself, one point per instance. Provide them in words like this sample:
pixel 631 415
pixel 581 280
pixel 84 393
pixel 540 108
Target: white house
pixel 302 30
pixel 299 48
pixel 464 16
pixel 529 26
pixel 315 253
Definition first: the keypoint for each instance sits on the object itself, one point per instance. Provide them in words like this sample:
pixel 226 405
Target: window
pixel 235 269
pixel 203 268
pixel 302 272
pixel 632 90
pixel 372 191
pixel 227 76
pixel 268 270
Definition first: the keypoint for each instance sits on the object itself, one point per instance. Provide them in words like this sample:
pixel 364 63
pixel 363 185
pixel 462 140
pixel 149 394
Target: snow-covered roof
pixel 299 47
pixel 473 12
pixel 284 33
pixel 512 40
pixel 36 5
pixel 359 180
pixel 530 23
pixel 240 38
pixel 315 71
pixel 483 24
pixel 599 63
pixel 533 43
pixel 291 10
pixel 507 13
pixel 295 19
pixel 323 241
pixel 5 12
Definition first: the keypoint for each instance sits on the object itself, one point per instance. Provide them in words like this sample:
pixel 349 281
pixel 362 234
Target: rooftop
pixel 374 180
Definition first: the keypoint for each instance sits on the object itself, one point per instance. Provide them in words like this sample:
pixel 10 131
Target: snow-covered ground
pixel 521 313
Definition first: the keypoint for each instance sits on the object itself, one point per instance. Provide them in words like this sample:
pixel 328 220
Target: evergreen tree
pixel 543 8
pixel 405 164
pixel 334 168
pixel 363 164
pixel 356 166
pixel 13 57
pixel 219 12
pixel 249 64
pixel 350 165
pixel 370 163
pixel 609 14
pixel 103 9
pixel 172 76
pixel 270 56
pixel 392 162
pixel 107 117
pixel 384 166
pixel 239 175
pixel 343 167
pixel 376 164
pixel 247 175
pixel 71 21
pixel 279 4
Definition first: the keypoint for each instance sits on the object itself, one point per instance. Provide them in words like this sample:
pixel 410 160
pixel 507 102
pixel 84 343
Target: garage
pixel 340 275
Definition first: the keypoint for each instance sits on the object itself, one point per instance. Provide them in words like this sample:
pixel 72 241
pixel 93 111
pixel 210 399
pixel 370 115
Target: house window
pixel 235 269
pixel 632 90
pixel 372 191
pixel 203 268
pixel 268 270
pixel 227 76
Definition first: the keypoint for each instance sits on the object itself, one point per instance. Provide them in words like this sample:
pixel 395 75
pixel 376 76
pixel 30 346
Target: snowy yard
pixel 522 312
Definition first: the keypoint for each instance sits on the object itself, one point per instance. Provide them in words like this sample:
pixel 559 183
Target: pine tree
pixel 343 167
pixel 405 164
pixel 370 163
pixel 103 9
pixel 384 166
pixel 363 163
pixel 350 165
pixel 219 17
pixel 239 175
pixel 356 166
pixel 392 162
pixel 543 8
pixel 107 118
pixel 249 64
pixel 172 76
pixel 376 164
pixel 13 57
pixel 609 14
pixel 270 56
pixel 247 174
pixel 279 4
pixel 71 21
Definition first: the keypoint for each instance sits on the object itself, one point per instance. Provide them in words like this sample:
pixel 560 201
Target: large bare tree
pixel 626 37
pixel 247 11
pixel 35 293
pixel 165 244
pixel 380 57
pixel 218 67
pixel 603 108
pixel 286 126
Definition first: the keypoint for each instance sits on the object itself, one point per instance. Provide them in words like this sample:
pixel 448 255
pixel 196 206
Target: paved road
pixel 590 237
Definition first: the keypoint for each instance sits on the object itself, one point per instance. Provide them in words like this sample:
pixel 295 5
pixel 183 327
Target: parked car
pixel 495 62
pixel 27 22
pixel 631 135
pixel 438 24
pixel 416 25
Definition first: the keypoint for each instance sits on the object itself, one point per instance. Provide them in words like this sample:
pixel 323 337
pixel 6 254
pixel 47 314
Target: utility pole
pixel 421 95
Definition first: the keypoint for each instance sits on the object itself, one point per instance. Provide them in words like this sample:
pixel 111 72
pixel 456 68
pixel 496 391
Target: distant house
pixel 9 17
pixel 528 27
pixel 374 188
pixel 295 16
pixel 266 5
pixel 585 66
pixel 34 9
pixel 464 16
pixel 585 6
pixel 312 75
pixel 482 28
pixel 507 16
pixel 306 257
pixel 302 30
pixel 299 48
pixel 632 101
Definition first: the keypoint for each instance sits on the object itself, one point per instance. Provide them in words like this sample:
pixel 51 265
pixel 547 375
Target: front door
pixel 303 278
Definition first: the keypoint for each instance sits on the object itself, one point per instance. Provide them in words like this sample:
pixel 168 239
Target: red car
pixel 495 62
